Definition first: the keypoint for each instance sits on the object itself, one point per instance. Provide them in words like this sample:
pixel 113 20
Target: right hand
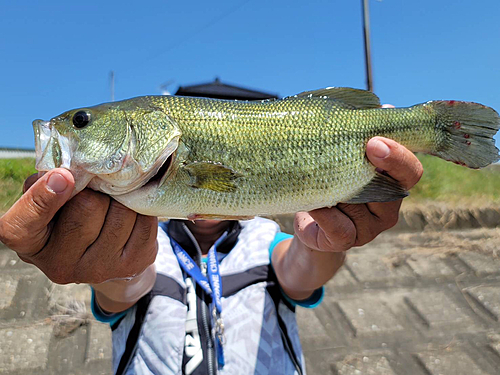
pixel 88 239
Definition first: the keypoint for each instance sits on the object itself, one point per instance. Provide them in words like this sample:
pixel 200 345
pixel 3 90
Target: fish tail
pixel 467 131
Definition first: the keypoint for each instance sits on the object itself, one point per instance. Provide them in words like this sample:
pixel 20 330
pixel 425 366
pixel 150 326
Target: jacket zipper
pixel 204 313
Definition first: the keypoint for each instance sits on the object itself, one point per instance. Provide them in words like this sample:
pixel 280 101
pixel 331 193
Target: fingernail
pixel 381 150
pixel 57 183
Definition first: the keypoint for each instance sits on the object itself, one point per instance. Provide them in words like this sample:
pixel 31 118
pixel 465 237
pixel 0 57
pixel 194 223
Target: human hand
pixel 88 239
pixel 346 225
pixel 323 236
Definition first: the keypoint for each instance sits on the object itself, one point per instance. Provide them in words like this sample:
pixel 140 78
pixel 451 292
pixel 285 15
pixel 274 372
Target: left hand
pixel 347 225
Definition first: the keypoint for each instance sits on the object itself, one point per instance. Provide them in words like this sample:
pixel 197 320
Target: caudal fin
pixel 468 130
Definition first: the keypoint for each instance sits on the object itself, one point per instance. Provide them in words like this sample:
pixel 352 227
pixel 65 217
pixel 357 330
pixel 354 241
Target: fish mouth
pixel 42 136
pixel 51 149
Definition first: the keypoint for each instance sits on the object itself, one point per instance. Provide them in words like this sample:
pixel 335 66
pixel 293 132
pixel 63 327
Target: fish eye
pixel 81 119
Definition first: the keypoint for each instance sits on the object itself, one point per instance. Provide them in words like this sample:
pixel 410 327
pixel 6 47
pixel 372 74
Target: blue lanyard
pixel 212 286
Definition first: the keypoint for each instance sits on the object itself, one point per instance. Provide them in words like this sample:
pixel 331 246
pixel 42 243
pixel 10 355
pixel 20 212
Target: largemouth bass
pixel 195 158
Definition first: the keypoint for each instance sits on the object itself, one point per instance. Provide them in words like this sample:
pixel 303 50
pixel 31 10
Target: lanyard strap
pixel 212 286
pixel 215 279
pixel 190 267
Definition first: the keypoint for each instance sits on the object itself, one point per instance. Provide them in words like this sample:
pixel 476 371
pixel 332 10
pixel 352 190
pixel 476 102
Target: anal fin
pixel 381 188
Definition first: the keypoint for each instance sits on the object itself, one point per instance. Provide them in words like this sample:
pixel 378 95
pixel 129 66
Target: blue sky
pixel 57 55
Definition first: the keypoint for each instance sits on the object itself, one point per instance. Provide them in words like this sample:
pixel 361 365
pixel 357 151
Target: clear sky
pixel 57 55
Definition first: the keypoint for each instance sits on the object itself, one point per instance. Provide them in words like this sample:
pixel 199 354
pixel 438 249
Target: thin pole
pixel 112 85
pixel 366 33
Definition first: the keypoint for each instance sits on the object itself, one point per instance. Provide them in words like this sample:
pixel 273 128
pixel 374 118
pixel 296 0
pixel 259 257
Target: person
pixel 160 313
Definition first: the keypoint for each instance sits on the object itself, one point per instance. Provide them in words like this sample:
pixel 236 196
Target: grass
pixel 13 172
pixel 447 182
pixel 442 182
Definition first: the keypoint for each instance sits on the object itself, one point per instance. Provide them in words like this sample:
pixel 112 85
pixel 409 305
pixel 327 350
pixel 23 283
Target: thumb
pixel 399 162
pixel 26 227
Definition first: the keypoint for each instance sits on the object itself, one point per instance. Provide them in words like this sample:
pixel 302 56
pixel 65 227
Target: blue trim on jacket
pixel 311 302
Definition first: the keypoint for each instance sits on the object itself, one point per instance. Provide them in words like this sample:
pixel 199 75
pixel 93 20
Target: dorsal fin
pixel 357 98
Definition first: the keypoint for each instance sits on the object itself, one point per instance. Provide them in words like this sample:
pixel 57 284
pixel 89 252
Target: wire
pixel 197 31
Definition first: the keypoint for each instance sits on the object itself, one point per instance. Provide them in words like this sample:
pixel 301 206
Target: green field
pixel 450 183
pixel 442 182
pixel 12 175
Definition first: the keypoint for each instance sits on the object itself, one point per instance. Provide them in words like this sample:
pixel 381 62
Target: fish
pixel 200 158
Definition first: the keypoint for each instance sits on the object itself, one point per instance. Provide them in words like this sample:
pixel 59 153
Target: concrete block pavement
pixel 400 306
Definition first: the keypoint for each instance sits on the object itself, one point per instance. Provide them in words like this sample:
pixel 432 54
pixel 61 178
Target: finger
pixel 78 225
pixel 80 221
pixel 137 255
pixel 326 229
pixel 399 162
pixel 141 248
pixel 107 249
pixel 25 227
pixel 387 106
pixel 117 227
pixel 29 182
pixel 366 223
pixel 386 214
pixel 143 237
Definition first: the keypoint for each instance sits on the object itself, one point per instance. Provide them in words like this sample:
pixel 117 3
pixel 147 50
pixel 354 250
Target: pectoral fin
pixel 381 188
pixel 211 176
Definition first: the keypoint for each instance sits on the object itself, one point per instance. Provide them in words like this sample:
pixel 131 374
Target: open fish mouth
pixel 42 136
pixel 51 149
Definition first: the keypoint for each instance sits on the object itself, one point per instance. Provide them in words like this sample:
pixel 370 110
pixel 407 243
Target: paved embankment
pixel 408 303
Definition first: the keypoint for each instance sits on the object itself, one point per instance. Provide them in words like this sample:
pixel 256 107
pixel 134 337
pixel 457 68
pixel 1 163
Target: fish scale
pixel 281 153
pixel 233 159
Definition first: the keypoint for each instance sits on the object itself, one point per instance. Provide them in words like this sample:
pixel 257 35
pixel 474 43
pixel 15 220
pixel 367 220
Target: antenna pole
pixel 112 85
pixel 366 33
